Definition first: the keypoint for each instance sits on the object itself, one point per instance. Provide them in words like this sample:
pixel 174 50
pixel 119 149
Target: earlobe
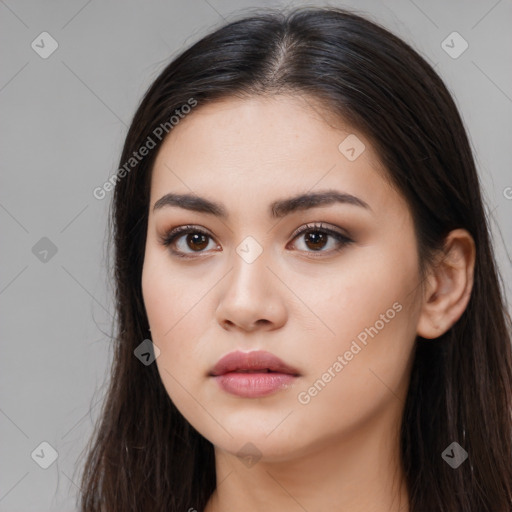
pixel 448 286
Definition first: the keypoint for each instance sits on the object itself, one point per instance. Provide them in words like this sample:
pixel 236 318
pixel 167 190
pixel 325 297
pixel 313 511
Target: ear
pixel 448 285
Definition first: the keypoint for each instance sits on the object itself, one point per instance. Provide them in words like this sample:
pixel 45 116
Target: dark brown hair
pixel 144 454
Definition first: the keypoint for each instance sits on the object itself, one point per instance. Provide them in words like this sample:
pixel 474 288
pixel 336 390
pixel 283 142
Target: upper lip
pixel 255 360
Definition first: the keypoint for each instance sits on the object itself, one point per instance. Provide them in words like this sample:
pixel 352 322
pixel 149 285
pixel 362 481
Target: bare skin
pixel 336 448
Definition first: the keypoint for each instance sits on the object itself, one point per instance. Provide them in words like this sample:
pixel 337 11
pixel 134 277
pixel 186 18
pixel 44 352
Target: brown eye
pixel 186 240
pixel 316 237
pixel 197 241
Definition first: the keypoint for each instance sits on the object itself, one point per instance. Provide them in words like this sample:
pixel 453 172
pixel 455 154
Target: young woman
pixel 309 310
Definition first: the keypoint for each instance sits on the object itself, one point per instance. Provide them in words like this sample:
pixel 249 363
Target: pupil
pixel 196 240
pixel 316 237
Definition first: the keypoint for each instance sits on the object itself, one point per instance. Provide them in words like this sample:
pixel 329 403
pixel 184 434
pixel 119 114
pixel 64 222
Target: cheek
pixel 367 289
pixel 173 310
pixel 363 373
pixel 172 319
pixel 370 311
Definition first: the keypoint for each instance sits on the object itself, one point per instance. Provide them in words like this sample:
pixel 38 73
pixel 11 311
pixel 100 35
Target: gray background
pixel 62 126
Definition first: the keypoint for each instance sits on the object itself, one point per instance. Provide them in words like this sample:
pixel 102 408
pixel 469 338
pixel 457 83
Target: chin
pixel 249 441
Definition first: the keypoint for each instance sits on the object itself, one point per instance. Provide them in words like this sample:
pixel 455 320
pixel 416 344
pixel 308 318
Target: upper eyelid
pixel 319 225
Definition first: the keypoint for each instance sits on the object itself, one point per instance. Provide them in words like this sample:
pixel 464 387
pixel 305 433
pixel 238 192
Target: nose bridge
pixel 249 261
pixel 250 297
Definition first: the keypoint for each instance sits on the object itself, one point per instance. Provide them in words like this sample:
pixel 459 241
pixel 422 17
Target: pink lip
pixel 267 374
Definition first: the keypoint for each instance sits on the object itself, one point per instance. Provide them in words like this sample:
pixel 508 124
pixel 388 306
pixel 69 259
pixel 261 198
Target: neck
pixel 356 473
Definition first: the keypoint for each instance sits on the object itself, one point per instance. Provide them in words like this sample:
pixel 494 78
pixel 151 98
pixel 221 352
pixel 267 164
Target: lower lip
pixel 253 385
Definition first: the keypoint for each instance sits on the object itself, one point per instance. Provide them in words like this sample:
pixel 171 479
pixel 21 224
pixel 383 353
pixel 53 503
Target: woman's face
pixel 337 303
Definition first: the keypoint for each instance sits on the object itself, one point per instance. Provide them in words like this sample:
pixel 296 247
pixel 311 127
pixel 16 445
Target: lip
pixel 252 374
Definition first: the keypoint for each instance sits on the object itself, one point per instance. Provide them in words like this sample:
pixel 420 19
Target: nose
pixel 251 297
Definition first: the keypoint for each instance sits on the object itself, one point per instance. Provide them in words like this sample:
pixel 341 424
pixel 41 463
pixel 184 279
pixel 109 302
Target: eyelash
pixel 168 238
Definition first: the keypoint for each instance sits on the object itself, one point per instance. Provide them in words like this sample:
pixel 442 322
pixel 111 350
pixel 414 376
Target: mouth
pixel 262 370
pixel 252 374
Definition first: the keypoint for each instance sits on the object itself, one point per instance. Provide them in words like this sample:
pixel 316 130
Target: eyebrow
pixel 277 209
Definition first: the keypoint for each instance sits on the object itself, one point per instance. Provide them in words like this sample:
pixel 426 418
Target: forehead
pixel 266 128
pixel 257 148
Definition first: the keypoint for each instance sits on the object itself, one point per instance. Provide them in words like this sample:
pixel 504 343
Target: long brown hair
pixel 144 454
